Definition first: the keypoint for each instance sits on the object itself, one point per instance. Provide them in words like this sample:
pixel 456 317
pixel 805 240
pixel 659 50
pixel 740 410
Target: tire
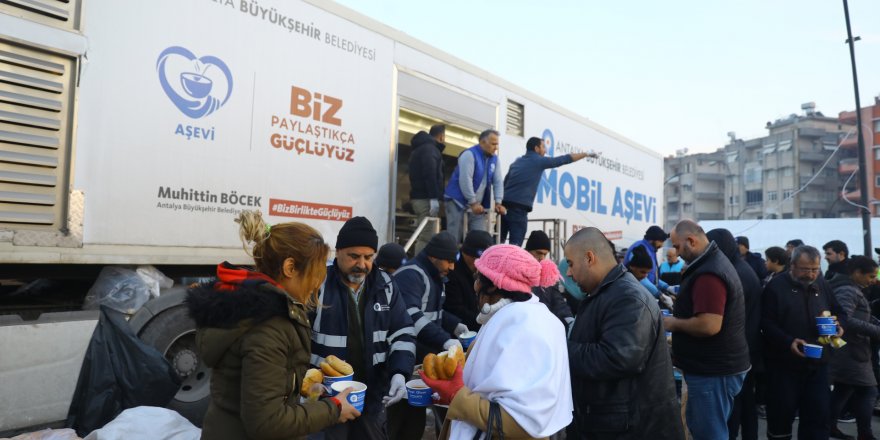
pixel 172 332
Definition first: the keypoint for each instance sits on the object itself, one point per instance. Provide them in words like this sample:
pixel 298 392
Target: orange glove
pixel 446 389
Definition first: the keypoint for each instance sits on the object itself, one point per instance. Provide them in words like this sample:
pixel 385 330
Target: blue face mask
pixel 570 285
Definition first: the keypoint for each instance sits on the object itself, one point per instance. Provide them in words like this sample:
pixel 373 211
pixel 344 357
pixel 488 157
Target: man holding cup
pixel 797 369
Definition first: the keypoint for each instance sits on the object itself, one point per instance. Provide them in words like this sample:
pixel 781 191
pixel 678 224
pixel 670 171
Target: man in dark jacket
pixel 777 262
pixel 744 407
pixel 621 374
pixel 797 385
pixel 461 300
pixel 753 259
pixel 837 256
pixel 851 367
pixel 538 245
pixel 426 176
pixel 521 185
pixel 363 320
pixel 708 332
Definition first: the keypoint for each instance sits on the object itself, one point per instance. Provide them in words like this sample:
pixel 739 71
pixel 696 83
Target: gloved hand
pixel 434 209
pixel 396 391
pixel 450 343
pixel 666 300
pixel 446 389
pixel 460 329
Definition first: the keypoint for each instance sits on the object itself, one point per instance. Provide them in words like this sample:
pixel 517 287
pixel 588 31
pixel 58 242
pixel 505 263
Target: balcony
pixel 851 141
pixel 815 205
pixel 847 117
pixel 673 198
pixel 710 176
pixel 854 196
pixel 820 180
pixel 848 166
pixel 710 196
pixel 710 216
pixel 811 132
pixel 810 156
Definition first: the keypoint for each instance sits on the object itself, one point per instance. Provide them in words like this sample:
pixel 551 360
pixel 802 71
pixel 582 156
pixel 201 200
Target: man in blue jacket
pixel 521 185
pixel 362 319
pixel 655 236
pixel 422 282
pixel 471 186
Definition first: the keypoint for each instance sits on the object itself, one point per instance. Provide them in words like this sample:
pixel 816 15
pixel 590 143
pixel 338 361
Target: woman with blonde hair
pixel 254 333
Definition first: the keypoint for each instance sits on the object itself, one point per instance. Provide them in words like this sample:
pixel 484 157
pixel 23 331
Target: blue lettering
pixel 566 197
pixel 617 206
pixel 600 208
pixel 583 194
pixel 637 208
pixel 628 201
pixel 547 186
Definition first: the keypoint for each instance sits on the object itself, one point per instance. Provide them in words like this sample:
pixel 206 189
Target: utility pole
pixel 863 170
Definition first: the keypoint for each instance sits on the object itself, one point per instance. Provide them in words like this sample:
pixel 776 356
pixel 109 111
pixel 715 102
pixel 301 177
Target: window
pixel 784 146
pixel 687 207
pixel 771 174
pixel 515 118
pixel 687 188
pixel 787 194
pixel 753 175
pixel 733 200
pixel 771 196
pixel 755 197
pixel 877 126
pixel 731 158
pixel 687 168
pixel 877 154
pixel 787 171
pixel 877 181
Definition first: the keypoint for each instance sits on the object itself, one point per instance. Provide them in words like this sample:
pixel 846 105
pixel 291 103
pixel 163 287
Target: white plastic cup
pixel 330 380
pixel 357 395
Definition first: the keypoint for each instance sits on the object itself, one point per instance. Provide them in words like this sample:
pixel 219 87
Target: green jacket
pixel 257 341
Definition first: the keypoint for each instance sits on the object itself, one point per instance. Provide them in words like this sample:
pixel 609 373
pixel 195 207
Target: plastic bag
pixel 155 279
pixel 119 372
pixel 147 423
pixel 119 288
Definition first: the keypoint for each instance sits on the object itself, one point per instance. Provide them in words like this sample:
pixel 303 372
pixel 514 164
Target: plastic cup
pixel 418 394
pixel 330 380
pixel 813 351
pixel 827 329
pixel 665 312
pixel 825 320
pixel 356 396
pixel 466 338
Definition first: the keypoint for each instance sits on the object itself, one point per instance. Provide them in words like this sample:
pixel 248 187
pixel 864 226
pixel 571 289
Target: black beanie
pixel 357 231
pixel 442 246
pixel 656 233
pixel 476 242
pixel 538 240
pixel 391 255
pixel 640 258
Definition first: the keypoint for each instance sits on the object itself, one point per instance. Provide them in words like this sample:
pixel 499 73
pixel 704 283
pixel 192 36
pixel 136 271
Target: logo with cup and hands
pixel 197 86
pixel 549 142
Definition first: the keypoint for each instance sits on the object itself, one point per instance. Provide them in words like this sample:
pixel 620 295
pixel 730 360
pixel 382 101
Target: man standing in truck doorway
pixel 521 185
pixel 426 177
pixel 469 189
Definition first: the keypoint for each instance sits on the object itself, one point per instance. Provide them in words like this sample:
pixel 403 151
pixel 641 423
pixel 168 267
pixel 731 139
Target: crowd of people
pixel 590 347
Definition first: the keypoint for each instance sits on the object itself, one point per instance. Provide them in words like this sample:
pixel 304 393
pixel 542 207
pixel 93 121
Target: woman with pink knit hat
pixel 519 360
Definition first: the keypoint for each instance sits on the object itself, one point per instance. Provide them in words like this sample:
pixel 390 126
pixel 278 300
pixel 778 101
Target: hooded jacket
pixel 256 340
pixel 461 300
pixel 426 167
pixel 751 286
pixel 621 372
pixel 851 364
pixel 757 263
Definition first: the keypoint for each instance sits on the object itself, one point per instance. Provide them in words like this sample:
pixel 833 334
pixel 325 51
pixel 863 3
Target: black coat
pixel 554 299
pixel 757 263
pixel 426 167
pixel 789 311
pixel 621 371
pixel 851 364
pixel 461 300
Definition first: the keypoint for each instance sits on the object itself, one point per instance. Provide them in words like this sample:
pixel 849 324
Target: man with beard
pixel 620 367
pixel 708 332
pixel 362 319
pixel 837 256
pixel 797 385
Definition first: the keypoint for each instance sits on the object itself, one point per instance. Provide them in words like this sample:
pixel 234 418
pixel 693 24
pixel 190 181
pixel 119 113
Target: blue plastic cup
pixel 418 394
pixel 356 396
pixel 330 380
pixel 466 338
pixel 827 329
pixel 813 351
pixel 825 320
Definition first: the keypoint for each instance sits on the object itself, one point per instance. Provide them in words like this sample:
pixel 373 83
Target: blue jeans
pixel 710 401
pixel 455 219
pixel 515 222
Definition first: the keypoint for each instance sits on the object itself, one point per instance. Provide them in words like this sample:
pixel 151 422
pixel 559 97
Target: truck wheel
pixel 173 333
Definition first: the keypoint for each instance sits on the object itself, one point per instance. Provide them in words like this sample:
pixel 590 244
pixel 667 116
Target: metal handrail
pixel 420 228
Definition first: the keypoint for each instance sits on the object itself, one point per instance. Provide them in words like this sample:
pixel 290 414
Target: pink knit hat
pixel 513 269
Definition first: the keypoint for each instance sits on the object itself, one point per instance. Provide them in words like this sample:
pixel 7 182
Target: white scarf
pixel 520 360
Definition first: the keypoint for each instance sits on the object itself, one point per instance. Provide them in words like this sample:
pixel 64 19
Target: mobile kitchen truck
pixel 133 132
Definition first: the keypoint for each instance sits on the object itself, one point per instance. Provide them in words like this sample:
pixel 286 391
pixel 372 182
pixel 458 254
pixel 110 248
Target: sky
pixel 666 74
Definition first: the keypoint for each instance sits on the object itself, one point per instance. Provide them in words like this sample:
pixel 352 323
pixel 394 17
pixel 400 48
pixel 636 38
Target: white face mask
pixel 489 309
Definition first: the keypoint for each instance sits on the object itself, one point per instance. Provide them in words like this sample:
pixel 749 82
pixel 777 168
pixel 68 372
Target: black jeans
pixel 745 412
pixel 861 404
pixel 791 391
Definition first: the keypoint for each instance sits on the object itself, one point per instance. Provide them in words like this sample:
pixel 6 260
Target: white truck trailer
pixel 132 133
